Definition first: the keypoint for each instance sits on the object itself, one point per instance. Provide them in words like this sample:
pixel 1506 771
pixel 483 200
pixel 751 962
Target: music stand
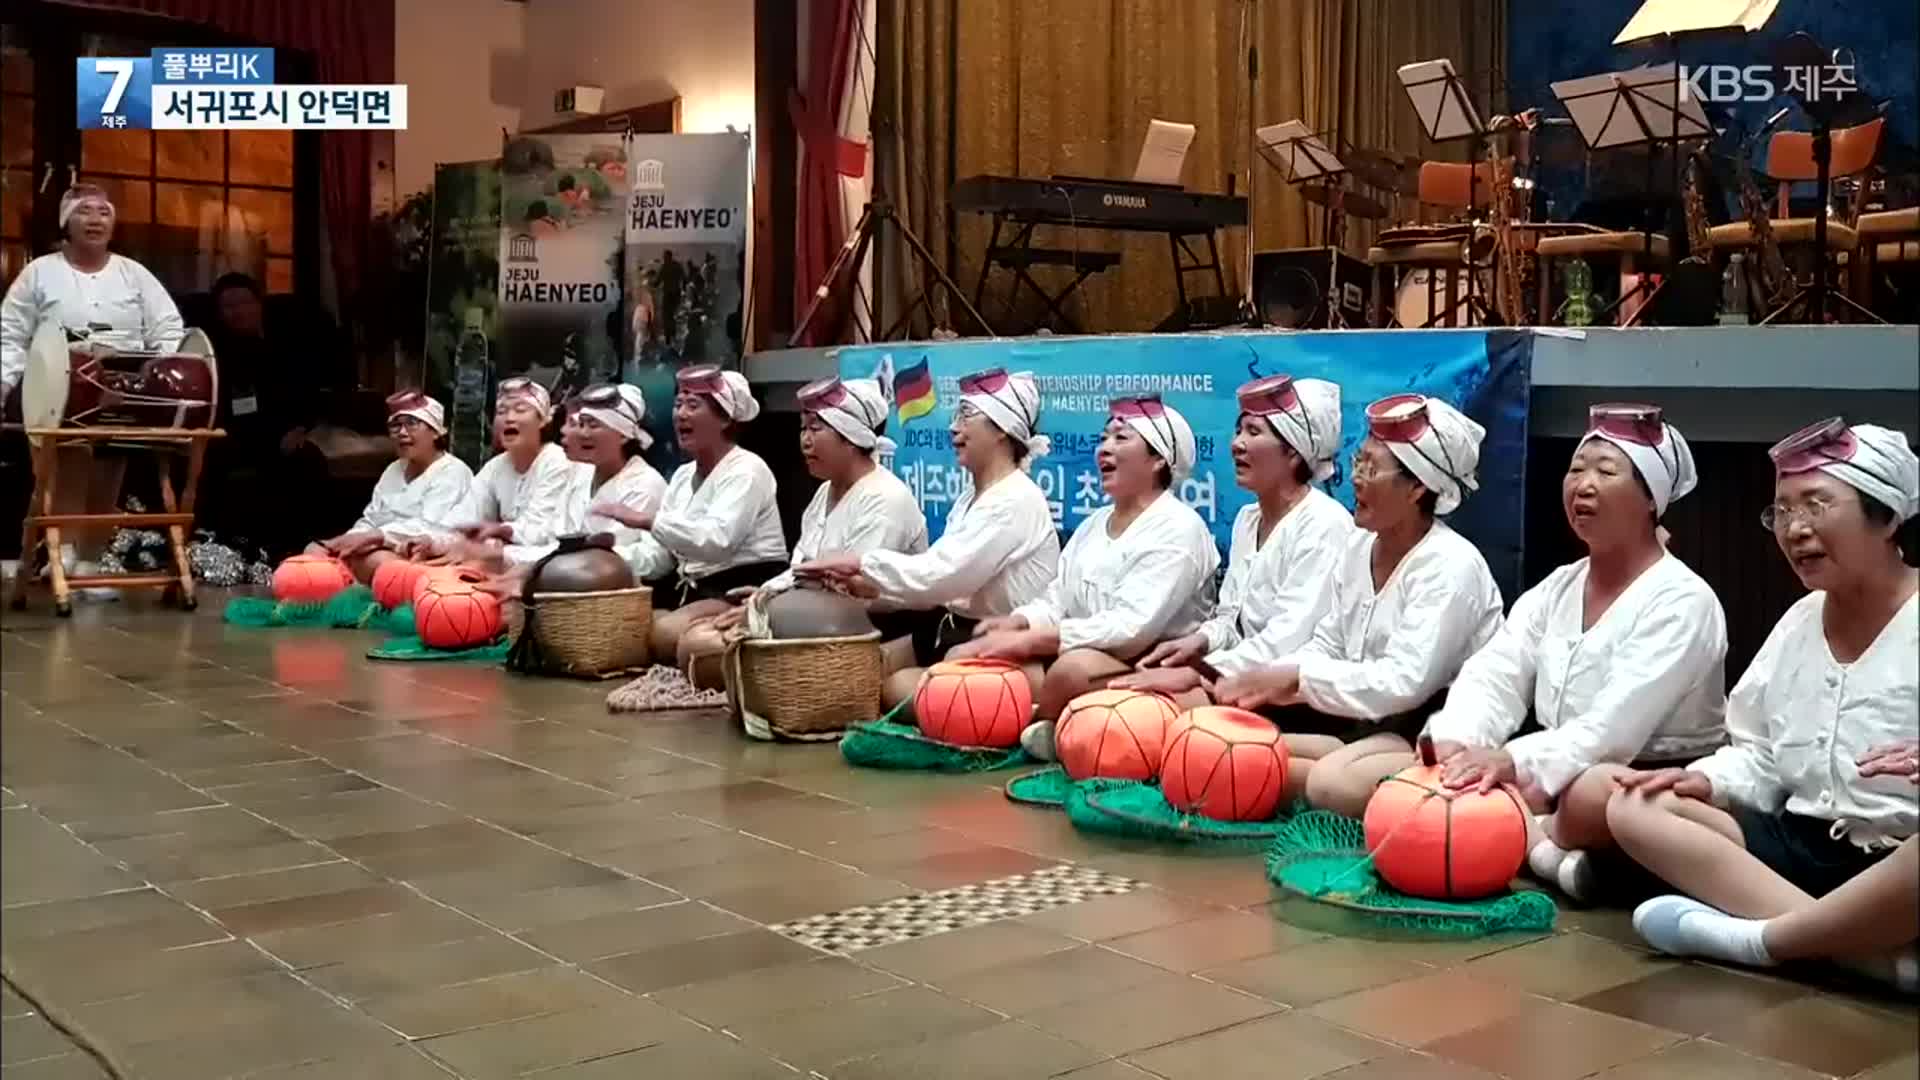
pixel 1303 157
pixel 1447 114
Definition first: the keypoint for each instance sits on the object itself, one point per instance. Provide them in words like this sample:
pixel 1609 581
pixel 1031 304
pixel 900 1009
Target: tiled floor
pixel 254 853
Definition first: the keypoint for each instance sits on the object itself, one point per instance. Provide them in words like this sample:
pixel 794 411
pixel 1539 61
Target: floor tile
pixel 1693 999
pixel 1289 1046
pixel 1409 1065
pixel 582 940
pixel 707 1056
pixel 1316 972
pixel 1824 1035
pixel 416 925
pixel 28 1038
pixel 1165 1009
pixel 1704 1059
pixel 939 958
pixel 424 1014
pixel 1566 966
pixel 401 970
pixel 1006 1049
pixel 1040 982
pixel 723 1001
pixel 701 960
pixel 547 1042
pixel 1211 941
pixel 520 911
pixel 1554 1042
pixel 1420 1011
pixel 823 1036
pixel 1117 916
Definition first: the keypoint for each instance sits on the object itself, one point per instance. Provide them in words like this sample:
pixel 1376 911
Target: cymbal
pixel 1352 203
pixel 1384 170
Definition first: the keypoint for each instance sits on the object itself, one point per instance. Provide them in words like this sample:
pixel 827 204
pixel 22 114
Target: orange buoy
pixel 310 579
pixel 1226 764
pixel 1118 734
pixel 1432 842
pixel 450 611
pixel 974 702
pixel 393 583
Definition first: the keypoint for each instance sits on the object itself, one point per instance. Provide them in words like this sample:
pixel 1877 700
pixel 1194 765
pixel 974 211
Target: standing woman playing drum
pixel 418 497
pixel 106 300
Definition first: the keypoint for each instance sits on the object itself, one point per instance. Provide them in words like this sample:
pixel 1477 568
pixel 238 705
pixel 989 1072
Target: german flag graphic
pixel 913 389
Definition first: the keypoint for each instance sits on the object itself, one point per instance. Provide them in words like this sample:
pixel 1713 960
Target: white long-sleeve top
pixel 638 486
pixel 707 525
pixel 1378 655
pixel 123 297
pixel 1798 721
pixel 1120 594
pixel 538 503
pixel 429 505
pixel 998 551
pixel 878 513
pixel 1647 680
pixel 1275 593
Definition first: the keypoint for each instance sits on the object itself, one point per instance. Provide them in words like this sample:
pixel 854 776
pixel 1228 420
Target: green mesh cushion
pixel 887 744
pixel 350 608
pixel 1138 811
pixel 1042 787
pixel 1323 857
pixel 409 647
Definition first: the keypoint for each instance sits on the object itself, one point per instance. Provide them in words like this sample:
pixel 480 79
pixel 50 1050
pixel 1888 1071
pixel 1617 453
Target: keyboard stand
pixel 1020 256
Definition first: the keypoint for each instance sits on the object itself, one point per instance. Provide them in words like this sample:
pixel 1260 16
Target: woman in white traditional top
pixel 1411 601
pixel 1136 572
pixel 999 549
pixel 103 300
pixel 718 526
pixel 523 496
pixel 1786 813
pixel 419 496
pixel 1286 543
pixel 1620 656
pixel 858 507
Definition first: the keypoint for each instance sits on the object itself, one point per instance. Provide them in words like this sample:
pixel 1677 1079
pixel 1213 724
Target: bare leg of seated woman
pixel 1697 848
pixel 363 566
pixel 1559 843
pixel 669 628
pixel 1341 778
pixel 700 647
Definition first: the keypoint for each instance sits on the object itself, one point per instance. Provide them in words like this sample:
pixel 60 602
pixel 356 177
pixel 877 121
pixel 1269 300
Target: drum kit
pixel 69 384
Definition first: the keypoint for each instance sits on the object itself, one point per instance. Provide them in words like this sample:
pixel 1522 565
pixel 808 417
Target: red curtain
pixel 351 41
pixel 820 225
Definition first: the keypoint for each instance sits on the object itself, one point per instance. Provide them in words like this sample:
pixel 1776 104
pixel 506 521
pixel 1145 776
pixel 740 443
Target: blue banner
pixel 1484 373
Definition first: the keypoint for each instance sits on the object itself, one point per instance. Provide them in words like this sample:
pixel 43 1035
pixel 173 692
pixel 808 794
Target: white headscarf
pixel 1171 437
pixel 1667 468
pixel 1313 430
pixel 429 412
pixel 71 201
pixel 1883 467
pixel 736 398
pixel 627 421
pixel 1015 409
pixel 1446 455
pixel 858 415
pixel 537 395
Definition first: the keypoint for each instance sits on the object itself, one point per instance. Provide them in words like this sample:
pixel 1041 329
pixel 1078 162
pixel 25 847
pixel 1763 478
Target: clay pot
pixel 583 565
pixel 813 613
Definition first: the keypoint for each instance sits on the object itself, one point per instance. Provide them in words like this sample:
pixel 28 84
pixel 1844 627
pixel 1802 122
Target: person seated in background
pixel 858 506
pixel 262 479
pixel 1785 814
pixel 418 497
pixel 1286 543
pixel 1412 599
pixel 718 526
pixel 998 551
pixel 1136 572
pixel 523 497
pixel 1620 656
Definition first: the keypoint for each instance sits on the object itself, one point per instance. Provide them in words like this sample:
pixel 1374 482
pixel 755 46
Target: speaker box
pixel 1294 288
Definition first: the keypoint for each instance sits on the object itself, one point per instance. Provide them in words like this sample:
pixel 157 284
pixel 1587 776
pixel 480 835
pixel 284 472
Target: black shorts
pixel 938 631
pixel 673 592
pixel 894 625
pixel 1803 850
pixel 1306 720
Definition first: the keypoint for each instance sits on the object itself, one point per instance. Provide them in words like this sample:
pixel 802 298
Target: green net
pixel 350 608
pixel 409 647
pixel 889 744
pixel 1042 787
pixel 1134 810
pixel 1323 857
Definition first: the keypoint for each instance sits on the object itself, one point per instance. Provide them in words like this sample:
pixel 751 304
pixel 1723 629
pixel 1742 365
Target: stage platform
pixel 1730 384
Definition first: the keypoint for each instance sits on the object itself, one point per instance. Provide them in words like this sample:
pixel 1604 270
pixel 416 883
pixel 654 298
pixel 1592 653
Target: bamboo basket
pixel 809 689
pixel 593 635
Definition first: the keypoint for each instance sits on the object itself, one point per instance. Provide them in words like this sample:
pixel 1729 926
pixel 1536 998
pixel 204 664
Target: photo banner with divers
pixel 1487 374
pixel 563 202
pixel 686 264
pixel 463 300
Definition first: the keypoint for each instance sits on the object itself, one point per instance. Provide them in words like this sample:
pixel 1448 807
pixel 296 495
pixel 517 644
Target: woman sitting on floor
pixel 718 526
pixel 858 506
pixel 419 497
pixel 1784 815
pixel 1620 656
pixel 1411 601
pixel 1137 571
pixel 998 551
pixel 523 496
pixel 1286 543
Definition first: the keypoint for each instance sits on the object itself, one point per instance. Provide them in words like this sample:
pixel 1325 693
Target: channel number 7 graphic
pixel 113 92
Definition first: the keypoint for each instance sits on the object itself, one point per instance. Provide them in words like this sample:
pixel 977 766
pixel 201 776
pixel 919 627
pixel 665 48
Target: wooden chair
pixel 1887 238
pixel 1440 251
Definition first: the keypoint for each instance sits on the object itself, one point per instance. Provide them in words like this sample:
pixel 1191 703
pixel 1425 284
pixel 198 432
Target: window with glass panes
pixel 16 154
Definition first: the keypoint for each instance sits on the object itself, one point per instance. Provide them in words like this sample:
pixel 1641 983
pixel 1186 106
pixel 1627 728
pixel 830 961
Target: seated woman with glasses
pixel 998 551
pixel 858 507
pixel 523 496
pixel 1412 599
pixel 1136 572
pixel 718 526
pixel 1789 811
pixel 419 497
pixel 1286 543
pixel 605 435
pixel 1617 658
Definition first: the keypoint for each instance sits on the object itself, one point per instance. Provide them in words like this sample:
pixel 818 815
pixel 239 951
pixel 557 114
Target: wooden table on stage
pixel 177 517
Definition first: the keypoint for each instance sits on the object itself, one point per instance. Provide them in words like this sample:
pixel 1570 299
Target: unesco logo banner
pixel 117 91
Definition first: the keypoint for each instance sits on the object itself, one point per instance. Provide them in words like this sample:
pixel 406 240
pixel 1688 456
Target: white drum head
pixel 43 385
pixel 196 343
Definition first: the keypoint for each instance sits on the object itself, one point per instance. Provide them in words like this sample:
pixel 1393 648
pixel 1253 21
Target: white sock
pixel 1899 969
pixel 1575 876
pixel 1683 926
pixel 1544 860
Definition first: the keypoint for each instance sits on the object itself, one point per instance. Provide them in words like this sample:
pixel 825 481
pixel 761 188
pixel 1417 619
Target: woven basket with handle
pixel 593 635
pixel 811 689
